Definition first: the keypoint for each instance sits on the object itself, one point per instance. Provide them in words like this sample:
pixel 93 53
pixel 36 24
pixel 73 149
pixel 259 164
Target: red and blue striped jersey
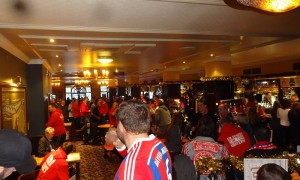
pixel 147 158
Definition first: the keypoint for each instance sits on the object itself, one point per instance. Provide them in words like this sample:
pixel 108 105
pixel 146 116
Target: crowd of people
pixel 148 135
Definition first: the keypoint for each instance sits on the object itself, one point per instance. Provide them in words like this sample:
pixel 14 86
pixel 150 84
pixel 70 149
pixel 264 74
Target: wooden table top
pixel 72 157
pixel 104 126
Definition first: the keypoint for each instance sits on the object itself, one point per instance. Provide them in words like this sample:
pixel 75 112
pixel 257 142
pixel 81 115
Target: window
pixel 78 91
pixel 104 91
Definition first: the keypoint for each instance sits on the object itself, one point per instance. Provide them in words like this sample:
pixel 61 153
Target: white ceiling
pixel 145 37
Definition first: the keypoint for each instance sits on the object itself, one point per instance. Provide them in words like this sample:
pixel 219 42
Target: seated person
pixel 263 145
pixel 15 154
pixel 204 145
pixel 272 171
pixel 54 164
pixel 234 138
pixel 45 143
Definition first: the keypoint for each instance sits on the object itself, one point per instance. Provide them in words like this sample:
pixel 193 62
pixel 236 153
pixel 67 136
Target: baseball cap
pixel 15 151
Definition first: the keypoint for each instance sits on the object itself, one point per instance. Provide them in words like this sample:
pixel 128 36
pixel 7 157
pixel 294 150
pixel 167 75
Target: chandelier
pixel 96 75
pixel 276 6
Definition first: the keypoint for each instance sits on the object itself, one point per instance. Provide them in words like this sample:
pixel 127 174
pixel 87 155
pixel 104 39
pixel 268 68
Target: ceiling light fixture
pixel 276 6
pixel 52 40
pixel 105 60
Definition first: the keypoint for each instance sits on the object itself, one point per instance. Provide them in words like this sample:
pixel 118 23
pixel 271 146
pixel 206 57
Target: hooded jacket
pixel 54 166
pixel 162 116
pixel 57 122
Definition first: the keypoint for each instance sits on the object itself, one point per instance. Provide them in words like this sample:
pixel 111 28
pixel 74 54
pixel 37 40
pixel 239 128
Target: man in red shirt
pixel 112 114
pixel 57 122
pixel 84 109
pixel 54 165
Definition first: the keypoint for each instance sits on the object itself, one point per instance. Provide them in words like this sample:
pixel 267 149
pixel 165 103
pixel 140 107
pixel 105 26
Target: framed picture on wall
pixel 13 108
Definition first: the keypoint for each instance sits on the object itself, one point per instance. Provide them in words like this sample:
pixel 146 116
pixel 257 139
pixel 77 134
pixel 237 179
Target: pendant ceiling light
pixel 274 6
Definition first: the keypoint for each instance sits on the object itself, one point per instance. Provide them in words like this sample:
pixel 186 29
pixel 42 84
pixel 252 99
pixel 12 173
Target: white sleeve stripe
pixel 130 162
pixel 151 152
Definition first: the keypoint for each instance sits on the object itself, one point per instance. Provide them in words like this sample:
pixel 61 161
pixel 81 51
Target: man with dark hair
pixel 57 122
pixel 15 154
pixel 54 164
pixel 272 171
pixel 147 157
pixel 234 138
pixel 202 110
pixel 263 146
pixel 204 145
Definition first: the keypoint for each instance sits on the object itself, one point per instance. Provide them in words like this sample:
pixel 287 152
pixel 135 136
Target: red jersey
pixel 57 122
pixel 103 108
pixel 147 158
pixel 84 109
pixel 112 118
pixel 235 139
pixel 54 166
pixel 76 110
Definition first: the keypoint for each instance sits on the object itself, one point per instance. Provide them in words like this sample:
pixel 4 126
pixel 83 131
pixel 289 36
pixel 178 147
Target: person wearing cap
pixel 15 153
pixel 45 143
pixel 57 122
pixel 54 165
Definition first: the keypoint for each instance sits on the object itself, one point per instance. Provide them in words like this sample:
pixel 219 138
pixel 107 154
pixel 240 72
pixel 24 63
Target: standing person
pixel 45 143
pixel 76 114
pixel 94 122
pixel 103 110
pixel 70 110
pixel 112 114
pixel 147 157
pixel 162 118
pixel 84 110
pixel 268 99
pixel 64 109
pixel 275 123
pixel 54 165
pixel 282 114
pixel 173 136
pixel 15 154
pixel 294 118
pixel 57 122
pixel 202 111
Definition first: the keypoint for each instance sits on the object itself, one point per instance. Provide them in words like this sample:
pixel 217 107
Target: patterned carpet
pixel 93 166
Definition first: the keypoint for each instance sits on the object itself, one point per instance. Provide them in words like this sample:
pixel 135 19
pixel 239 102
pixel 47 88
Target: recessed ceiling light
pixel 183 62
pixel 211 54
pixel 52 40
pixel 57 56
pixel 105 60
pixel 59 65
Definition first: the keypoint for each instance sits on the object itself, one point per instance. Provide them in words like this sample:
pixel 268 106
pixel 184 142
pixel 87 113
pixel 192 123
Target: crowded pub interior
pixel 219 81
